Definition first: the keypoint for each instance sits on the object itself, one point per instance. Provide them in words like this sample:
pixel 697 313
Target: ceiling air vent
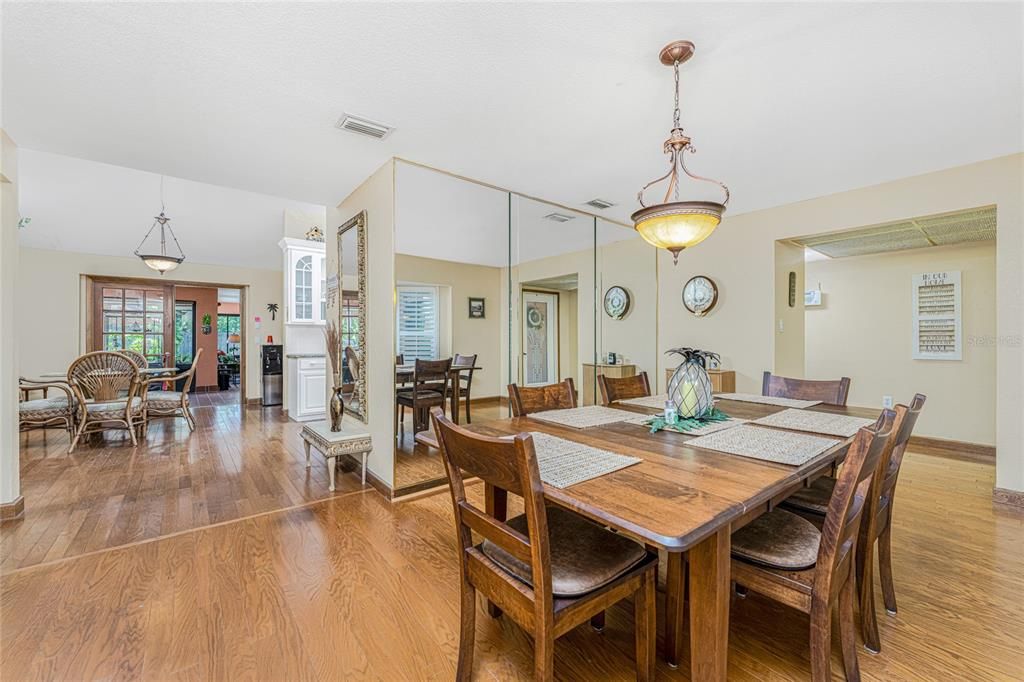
pixel 600 204
pixel 559 217
pixel 364 126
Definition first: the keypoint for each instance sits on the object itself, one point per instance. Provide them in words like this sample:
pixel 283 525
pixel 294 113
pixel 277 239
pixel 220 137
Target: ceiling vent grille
pixel 971 225
pixel 364 126
pixel 600 204
pixel 559 217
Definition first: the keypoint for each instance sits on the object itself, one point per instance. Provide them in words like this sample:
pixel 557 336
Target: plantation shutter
pixel 417 324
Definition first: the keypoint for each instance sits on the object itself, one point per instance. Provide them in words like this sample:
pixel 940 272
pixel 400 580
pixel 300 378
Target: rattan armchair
pixel 105 385
pixel 47 411
pixel 170 404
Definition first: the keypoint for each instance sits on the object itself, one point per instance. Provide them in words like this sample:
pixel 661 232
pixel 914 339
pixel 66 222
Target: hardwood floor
pixel 354 587
pixel 239 462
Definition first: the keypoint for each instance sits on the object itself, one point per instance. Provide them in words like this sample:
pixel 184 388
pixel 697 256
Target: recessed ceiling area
pixel 566 101
pixel 971 225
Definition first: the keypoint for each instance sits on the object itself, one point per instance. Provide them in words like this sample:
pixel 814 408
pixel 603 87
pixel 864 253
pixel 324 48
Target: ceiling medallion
pixel 163 261
pixel 675 225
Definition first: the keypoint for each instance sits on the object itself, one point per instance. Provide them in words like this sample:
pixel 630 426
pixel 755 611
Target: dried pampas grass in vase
pixel 333 342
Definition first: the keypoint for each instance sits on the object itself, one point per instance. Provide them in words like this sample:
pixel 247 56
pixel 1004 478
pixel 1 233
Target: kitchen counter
pixel 306 355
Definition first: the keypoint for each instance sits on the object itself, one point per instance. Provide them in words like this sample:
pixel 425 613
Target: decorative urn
pixel 689 389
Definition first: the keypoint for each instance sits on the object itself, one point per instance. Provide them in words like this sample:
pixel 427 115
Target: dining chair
pixel 463 381
pixel 429 389
pixel 624 388
pixel 829 392
pixel 42 413
pixel 169 404
pixel 105 385
pixel 399 359
pixel 785 557
pixel 549 569
pixel 876 526
pixel 355 365
pixel 527 399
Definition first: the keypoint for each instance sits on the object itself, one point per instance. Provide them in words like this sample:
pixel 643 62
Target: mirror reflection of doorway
pixel 540 338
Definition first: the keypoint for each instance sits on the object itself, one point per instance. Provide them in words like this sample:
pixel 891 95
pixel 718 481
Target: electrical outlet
pixel 782 325
pixel 887 401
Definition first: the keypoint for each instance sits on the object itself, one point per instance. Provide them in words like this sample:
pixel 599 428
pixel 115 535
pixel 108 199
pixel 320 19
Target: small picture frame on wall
pixel 476 308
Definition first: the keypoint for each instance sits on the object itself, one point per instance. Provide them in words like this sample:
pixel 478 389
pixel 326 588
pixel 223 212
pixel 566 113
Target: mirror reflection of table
pixel 403 375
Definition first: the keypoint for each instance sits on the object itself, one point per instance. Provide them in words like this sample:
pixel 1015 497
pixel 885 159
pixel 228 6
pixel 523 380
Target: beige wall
pixel 10 486
pixel 789 322
pixel 865 322
pixel 51 303
pixel 377 197
pixel 631 264
pixel 740 257
pixel 467 336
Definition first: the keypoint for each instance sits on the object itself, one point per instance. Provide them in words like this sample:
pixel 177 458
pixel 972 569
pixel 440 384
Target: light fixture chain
pixel 675 111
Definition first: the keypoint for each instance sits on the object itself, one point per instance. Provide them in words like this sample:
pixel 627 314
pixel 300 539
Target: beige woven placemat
pixel 768 400
pixel 815 422
pixel 584 417
pixel 564 462
pixel 770 445
pixel 655 401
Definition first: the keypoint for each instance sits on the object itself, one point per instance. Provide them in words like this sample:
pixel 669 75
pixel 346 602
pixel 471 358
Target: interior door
pixel 132 316
pixel 540 338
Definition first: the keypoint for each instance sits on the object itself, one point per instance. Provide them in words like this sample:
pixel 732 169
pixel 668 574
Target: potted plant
pixel 207 323
pixel 689 389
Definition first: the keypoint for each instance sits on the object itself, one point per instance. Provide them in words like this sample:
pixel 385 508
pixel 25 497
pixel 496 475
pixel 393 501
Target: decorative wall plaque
pixel 938 330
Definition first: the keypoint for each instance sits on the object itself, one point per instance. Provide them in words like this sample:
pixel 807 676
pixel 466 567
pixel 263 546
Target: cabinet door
pixel 312 393
pixel 303 284
pixel 321 277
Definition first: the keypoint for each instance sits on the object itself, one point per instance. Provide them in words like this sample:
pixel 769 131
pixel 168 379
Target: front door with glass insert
pixel 131 317
pixel 540 338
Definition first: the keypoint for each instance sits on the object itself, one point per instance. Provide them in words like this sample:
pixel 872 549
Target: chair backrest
pixel 829 392
pixel 853 490
pixel 890 469
pixel 433 371
pixel 506 463
pixel 624 388
pixel 399 359
pixel 465 361
pixel 104 375
pixel 355 368
pixel 138 358
pixel 527 399
pixel 190 373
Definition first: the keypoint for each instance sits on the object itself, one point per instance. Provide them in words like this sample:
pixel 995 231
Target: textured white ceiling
pixel 565 101
pixel 91 207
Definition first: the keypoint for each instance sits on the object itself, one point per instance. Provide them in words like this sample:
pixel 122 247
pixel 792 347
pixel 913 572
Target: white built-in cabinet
pixel 305 270
pixel 307 388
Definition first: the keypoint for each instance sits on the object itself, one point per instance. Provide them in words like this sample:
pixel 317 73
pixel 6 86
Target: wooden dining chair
pixel 463 382
pixel 105 386
pixel 785 557
pixel 162 404
pixel 876 526
pixel 828 392
pixel 527 399
pixel 429 389
pixel 549 569
pixel 624 388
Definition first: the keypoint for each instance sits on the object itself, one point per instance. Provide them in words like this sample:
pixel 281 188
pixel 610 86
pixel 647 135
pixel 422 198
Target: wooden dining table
pixel 684 500
pixel 404 374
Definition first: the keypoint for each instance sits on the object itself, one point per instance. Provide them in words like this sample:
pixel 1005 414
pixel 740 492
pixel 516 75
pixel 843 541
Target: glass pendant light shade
pixel 678 225
pixel 675 225
pixel 161 262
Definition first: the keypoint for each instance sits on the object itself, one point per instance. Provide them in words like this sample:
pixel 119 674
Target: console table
pixel 353 439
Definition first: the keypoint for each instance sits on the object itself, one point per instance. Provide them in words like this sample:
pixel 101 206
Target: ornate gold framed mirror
pixel 349 293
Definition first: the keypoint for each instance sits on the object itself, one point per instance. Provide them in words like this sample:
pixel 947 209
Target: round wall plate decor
pixel 700 295
pixel 616 302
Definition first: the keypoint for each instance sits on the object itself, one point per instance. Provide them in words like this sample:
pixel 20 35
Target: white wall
pixel 865 323
pixel 51 305
pixel 10 484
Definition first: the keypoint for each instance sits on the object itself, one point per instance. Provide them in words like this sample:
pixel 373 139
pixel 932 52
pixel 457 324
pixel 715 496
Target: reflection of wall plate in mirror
pixel 616 302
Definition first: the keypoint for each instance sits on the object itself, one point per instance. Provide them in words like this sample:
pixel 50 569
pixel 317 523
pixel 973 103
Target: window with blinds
pixel 417 323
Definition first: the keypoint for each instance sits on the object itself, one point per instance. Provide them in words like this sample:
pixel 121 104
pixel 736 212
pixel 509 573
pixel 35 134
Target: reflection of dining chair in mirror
pixel 539 338
pixel 624 388
pixel 528 399
pixel 429 389
pixel 463 381
pixel 355 371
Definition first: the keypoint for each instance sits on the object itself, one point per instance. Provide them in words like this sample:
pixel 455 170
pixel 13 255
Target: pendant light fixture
pixel 675 225
pixel 163 261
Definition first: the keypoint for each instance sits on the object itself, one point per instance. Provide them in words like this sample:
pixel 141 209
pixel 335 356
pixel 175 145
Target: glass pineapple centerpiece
pixel 689 389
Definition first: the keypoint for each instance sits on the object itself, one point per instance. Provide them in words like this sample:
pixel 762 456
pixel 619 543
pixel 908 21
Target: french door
pixel 138 317
pixel 540 338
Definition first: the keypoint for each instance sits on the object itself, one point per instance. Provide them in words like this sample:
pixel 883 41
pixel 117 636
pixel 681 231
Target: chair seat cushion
pixel 43 408
pixel 584 556
pixel 814 498
pixel 165 399
pixel 112 409
pixel 778 539
pixel 420 394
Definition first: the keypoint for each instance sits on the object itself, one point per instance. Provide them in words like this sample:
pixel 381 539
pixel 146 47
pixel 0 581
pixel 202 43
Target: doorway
pixel 540 338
